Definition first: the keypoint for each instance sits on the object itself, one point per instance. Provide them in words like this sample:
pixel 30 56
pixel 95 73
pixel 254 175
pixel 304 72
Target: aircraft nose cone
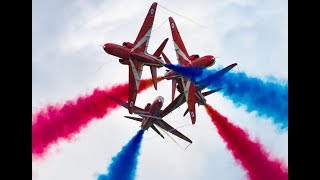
pixel 160 99
pixel 106 47
pixel 210 57
pixel 212 60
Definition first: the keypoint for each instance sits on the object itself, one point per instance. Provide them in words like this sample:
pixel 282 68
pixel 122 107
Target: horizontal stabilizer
pixel 136 109
pixel 157 131
pixel 146 115
pixel 210 92
pixel 165 126
pixel 134 118
pixel 186 112
pixel 166 59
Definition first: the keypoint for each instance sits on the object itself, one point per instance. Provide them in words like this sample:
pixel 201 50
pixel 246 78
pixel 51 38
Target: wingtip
pixel 130 110
pixel 165 41
pixel 154 6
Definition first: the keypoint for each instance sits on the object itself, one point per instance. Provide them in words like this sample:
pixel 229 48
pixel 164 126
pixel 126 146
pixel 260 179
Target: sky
pixel 68 61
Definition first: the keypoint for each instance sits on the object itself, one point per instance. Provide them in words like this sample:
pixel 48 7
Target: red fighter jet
pixel 136 56
pixel 190 92
pixel 151 116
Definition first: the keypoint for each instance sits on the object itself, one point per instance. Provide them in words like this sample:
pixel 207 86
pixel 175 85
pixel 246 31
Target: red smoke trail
pixel 64 121
pixel 249 154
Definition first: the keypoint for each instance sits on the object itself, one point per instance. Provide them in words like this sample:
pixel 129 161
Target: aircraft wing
pixel 162 124
pixel 177 102
pixel 191 103
pixel 181 52
pixel 135 71
pixel 136 110
pixel 188 91
pixel 201 84
pixel 216 75
pixel 200 87
pixel 142 40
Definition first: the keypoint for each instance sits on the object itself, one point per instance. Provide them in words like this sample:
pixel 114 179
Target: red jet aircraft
pixel 152 115
pixel 136 56
pixel 192 93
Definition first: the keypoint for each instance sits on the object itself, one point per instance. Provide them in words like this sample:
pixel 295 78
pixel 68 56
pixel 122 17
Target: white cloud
pixel 66 57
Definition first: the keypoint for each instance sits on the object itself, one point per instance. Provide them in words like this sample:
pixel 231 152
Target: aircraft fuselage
pixel 154 110
pixel 199 98
pixel 125 53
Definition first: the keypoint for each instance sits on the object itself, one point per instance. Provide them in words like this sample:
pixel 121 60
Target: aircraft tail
pixel 157 131
pixel 165 126
pixel 174 81
pixel 160 48
pixel 153 69
pixel 165 58
pixel 204 94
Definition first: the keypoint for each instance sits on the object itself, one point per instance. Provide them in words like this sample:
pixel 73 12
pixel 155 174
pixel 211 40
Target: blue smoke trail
pixel 269 99
pixel 124 164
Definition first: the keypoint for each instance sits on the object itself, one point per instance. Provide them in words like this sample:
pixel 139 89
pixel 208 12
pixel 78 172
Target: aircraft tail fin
pixel 152 68
pixel 166 58
pixel 154 76
pixel 157 131
pixel 174 81
pixel 160 48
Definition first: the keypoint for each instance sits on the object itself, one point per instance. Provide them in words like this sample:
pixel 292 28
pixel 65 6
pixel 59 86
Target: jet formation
pixel 136 56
